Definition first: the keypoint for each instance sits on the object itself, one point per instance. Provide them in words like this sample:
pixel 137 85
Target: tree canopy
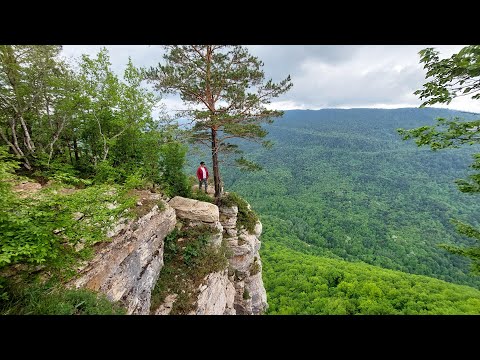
pixel 226 90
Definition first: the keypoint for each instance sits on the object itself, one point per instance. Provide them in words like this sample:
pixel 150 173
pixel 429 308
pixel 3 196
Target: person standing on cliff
pixel 202 175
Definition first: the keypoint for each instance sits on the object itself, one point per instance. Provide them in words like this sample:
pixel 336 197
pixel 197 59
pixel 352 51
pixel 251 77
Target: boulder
pixel 194 209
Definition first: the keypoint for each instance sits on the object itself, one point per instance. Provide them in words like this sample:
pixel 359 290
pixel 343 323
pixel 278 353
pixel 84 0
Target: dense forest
pixel 353 216
pixel 298 283
pixel 76 139
pixel 343 184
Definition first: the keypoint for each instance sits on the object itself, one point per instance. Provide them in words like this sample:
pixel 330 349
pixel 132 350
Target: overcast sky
pixel 323 76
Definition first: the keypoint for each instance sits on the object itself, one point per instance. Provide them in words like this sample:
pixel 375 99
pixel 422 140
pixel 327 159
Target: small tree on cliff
pixel 227 86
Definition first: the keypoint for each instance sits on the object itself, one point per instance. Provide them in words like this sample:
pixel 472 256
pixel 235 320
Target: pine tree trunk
pixel 216 170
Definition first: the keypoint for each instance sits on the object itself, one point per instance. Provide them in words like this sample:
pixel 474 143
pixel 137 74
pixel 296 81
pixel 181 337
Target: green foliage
pixel 201 196
pixel 8 164
pixel 75 123
pixel 33 81
pixel 246 217
pixel 135 181
pixel 297 283
pixel 53 299
pixel 228 83
pixel 191 252
pixel 342 184
pixel 45 227
pixel 472 252
pixel 186 264
pixel 172 162
pixel 247 165
pixel 246 294
pixel 456 76
pixel 105 173
pixel 61 172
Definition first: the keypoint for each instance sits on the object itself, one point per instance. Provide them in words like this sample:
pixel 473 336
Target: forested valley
pixel 341 184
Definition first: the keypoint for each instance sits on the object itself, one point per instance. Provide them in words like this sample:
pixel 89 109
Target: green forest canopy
pixel 349 186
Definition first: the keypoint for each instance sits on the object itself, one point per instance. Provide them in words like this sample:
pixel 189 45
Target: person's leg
pixel 199 185
pixel 206 184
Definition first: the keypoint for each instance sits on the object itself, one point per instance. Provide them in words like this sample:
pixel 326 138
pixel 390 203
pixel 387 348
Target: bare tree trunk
pixel 216 170
pixel 14 146
pixel 29 142
pixel 211 106
pixel 14 137
pixel 9 143
pixel 55 138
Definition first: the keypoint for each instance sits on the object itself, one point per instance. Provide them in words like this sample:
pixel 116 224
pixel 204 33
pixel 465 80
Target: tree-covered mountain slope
pixel 298 283
pixel 342 183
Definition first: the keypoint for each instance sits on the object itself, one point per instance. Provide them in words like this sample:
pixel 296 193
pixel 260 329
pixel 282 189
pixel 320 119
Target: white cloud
pixel 323 76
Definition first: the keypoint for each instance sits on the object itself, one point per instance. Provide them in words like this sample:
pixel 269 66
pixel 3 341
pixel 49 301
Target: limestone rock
pixel 194 210
pixel 231 232
pixel 216 296
pixel 228 216
pixel 256 289
pixel 119 226
pixel 216 239
pixel 111 206
pixel 167 305
pixel 245 263
pixel 78 216
pixel 258 229
pixel 79 246
pixel 229 211
pixel 210 189
pixel 243 301
pixel 127 268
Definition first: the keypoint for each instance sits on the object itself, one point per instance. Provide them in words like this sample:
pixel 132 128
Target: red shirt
pixel 200 173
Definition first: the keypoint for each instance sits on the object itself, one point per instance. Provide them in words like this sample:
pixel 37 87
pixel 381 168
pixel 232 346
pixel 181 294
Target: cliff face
pixel 127 268
pixel 244 264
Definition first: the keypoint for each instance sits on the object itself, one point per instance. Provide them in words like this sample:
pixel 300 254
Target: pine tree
pixel 227 87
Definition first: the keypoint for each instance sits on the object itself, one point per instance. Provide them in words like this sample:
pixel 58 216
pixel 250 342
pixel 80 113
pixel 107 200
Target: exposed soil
pixel 210 190
pixel 26 188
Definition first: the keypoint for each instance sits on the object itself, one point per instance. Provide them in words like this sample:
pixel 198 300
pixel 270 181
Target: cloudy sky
pixel 323 76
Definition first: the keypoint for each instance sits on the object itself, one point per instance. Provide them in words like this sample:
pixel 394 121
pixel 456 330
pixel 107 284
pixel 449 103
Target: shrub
pixel 52 298
pixel 186 267
pixel 173 179
pixel 201 196
pixel 61 172
pixel 37 231
pixel 105 173
pixel 135 181
pixel 246 217
pixel 7 166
